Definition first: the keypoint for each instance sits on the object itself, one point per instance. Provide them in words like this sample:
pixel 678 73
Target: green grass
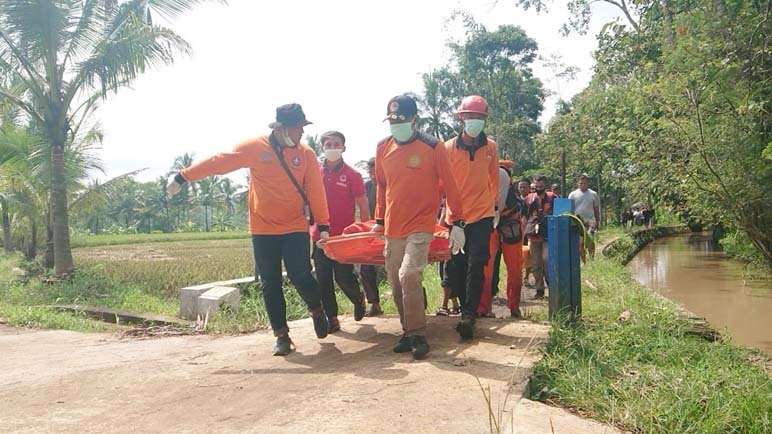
pixel 146 277
pixel 649 374
pixel 135 277
pixel 116 239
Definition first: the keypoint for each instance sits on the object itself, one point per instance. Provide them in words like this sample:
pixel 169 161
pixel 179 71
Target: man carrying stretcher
pixel 412 171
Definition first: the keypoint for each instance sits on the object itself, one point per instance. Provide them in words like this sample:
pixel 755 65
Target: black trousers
pixel 293 249
pixel 369 276
pixel 465 270
pixel 328 272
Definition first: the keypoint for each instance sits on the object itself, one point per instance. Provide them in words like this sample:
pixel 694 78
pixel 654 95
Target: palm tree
pixel 22 184
pixel 209 195
pixel 182 200
pixel 67 55
pixel 97 194
pixel 441 91
pixel 230 195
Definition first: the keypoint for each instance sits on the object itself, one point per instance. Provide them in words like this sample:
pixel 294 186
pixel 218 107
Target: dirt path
pixel 66 382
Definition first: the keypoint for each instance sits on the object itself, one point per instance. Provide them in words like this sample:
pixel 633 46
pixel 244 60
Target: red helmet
pixel 473 104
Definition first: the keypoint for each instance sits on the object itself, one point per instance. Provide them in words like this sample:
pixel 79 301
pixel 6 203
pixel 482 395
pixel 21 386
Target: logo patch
pixel 393 107
pixel 266 156
pixel 296 161
pixel 342 178
pixel 413 160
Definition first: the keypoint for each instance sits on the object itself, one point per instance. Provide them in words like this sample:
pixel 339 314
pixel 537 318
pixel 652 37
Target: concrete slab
pixel 210 302
pixel 189 300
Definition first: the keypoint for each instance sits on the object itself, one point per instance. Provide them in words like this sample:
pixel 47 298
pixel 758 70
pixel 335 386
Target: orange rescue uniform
pixel 275 206
pixel 411 179
pixel 476 169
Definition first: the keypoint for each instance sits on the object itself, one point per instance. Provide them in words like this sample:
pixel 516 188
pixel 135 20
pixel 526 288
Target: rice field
pixel 163 268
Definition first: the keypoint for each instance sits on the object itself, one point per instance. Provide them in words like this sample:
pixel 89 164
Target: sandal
pixel 455 310
pixel 442 311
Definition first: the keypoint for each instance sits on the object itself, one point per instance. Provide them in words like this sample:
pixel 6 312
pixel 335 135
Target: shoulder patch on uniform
pixel 384 140
pixel 428 139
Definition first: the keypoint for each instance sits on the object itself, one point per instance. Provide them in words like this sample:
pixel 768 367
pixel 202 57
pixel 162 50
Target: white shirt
pixel 504 181
pixel 585 203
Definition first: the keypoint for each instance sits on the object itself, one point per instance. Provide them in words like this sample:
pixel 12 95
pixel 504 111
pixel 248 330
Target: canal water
pixel 691 270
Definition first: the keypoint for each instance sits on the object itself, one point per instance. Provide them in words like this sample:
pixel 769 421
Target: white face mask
pixel 333 154
pixel 287 141
pixel 474 127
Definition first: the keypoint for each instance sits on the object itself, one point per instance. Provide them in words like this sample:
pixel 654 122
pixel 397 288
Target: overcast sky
pixel 341 60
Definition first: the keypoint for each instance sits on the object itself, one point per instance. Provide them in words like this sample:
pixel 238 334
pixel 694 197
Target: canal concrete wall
pixel 624 248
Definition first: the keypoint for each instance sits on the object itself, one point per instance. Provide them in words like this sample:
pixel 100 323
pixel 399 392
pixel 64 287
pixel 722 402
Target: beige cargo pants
pixel 406 259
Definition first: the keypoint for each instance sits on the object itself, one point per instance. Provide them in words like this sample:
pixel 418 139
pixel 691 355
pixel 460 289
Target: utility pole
pixel 563 172
pixel 602 221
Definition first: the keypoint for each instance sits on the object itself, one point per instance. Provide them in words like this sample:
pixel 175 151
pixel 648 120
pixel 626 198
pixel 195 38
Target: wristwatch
pixel 460 223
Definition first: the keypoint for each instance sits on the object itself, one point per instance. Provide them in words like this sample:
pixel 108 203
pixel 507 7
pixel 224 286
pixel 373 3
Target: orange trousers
pixel 513 258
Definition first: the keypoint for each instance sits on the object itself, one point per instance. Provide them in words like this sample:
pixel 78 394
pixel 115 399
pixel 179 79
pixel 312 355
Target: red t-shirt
pixel 342 184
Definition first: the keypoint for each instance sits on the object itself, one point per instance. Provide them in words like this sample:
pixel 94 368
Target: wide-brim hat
pixel 289 115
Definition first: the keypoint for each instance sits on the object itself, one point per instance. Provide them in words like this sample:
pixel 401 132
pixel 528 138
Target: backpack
pixel 537 225
pixel 509 224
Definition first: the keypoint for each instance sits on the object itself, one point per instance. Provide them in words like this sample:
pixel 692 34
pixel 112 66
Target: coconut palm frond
pixel 98 194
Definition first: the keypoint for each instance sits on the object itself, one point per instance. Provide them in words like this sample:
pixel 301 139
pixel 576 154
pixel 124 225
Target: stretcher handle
pixel 346 237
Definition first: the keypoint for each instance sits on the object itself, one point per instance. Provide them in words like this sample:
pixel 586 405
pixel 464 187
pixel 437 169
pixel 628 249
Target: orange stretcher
pixel 357 245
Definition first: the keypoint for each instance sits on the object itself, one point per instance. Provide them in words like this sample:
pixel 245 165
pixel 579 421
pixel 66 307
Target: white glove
pixel 323 235
pixel 173 187
pixel 457 240
pixel 377 228
pixel 496 218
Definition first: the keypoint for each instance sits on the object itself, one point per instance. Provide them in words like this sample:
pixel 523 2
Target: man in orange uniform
pixel 278 214
pixel 475 166
pixel 411 171
pixel 507 239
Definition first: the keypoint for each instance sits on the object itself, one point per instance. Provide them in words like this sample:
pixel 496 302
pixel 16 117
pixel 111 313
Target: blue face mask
pixel 474 127
pixel 402 132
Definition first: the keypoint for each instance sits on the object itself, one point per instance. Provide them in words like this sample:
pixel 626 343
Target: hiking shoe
pixel 419 346
pixel 283 346
pixel 465 327
pixel 321 326
pixel 359 309
pixel 374 311
pixel 334 324
pixel 403 345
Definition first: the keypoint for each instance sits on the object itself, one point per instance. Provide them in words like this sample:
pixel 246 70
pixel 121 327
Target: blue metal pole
pixel 563 270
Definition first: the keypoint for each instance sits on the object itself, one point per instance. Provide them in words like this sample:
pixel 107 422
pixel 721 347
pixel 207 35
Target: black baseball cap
pixel 289 115
pixel 401 108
